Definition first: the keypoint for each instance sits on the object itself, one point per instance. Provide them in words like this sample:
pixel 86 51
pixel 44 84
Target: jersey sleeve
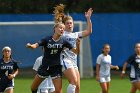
pixel 37 63
pixel 130 59
pixel 15 67
pixel 42 42
pixel 98 61
pixel 79 34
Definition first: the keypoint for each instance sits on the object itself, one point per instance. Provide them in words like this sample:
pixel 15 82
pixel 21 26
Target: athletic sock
pixel 71 88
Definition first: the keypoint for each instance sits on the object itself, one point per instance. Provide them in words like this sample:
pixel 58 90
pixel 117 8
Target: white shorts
pixel 46 90
pixel 104 79
pixel 68 63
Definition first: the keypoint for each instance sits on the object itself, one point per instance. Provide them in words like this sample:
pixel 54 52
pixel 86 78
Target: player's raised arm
pixel 33 46
pixel 88 31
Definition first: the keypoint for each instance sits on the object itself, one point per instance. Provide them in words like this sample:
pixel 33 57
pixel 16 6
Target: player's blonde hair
pixel 68 17
pixel 59 15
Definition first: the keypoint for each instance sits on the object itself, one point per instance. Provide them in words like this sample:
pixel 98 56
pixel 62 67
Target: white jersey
pixel 71 38
pixel 105 62
pixel 47 83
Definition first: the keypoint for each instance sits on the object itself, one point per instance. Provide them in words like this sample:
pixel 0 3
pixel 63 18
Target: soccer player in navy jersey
pixel 134 62
pixel 8 71
pixel 69 58
pixel 53 46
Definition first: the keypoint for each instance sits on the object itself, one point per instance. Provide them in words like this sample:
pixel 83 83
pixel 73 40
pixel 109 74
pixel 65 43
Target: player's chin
pixel 70 30
pixel 61 34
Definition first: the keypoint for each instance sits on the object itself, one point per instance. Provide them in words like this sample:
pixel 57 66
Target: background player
pixel 8 71
pixel 103 66
pixel 134 62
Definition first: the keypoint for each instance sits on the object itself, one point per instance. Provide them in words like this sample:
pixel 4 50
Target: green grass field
pixel 22 85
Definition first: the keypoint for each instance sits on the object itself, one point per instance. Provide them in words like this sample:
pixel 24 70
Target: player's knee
pixel 73 81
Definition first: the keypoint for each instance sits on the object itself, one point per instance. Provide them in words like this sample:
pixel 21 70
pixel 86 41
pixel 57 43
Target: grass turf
pixel 22 85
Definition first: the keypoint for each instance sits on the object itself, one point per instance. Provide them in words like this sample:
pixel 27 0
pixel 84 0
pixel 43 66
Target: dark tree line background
pixel 72 6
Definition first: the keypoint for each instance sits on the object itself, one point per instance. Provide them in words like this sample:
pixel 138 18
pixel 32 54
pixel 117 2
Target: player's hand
pixel 116 67
pixel 97 78
pixel 28 45
pixel 88 13
pixel 122 75
pixel 11 76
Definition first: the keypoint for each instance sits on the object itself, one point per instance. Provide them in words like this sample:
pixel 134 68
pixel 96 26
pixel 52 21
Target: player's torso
pixel 136 64
pixel 105 64
pixel 6 68
pixel 53 49
pixel 71 38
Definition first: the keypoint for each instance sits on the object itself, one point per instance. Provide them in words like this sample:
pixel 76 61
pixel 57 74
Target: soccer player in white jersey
pixel 68 58
pixel 103 66
pixel 47 85
pixel 134 62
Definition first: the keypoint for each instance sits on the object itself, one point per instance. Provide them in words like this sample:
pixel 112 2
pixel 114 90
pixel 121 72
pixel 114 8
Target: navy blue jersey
pixel 134 62
pixel 52 50
pixel 7 68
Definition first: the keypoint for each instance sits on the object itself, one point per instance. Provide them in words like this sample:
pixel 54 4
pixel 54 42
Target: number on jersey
pixel 54 51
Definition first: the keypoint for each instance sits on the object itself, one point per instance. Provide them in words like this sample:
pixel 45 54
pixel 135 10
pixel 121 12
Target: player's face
pixel 60 29
pixel 69 25
pixel 106 49
pixel 6 53
pixel 137 48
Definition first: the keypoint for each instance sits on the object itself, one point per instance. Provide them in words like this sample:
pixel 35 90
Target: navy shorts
pixel 53 71
pixel 5 83
pixel 136 79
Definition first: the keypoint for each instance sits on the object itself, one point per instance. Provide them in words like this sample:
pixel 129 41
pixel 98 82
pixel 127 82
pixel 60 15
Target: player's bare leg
pixel 133 88
pixel 58 85
pixel 9 90
pixel 71 75
pixel 78 82
pixel 104 87
pixel 36 82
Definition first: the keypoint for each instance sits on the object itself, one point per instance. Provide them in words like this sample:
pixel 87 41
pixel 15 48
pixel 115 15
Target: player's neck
pixel 56 37
pixel 105 54
pixel 68 31
pixel 6 59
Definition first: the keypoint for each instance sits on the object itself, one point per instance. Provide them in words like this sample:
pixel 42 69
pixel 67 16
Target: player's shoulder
pixel 47 38
pixel 70 34
pixel 100 55
pixel 14 61
pixel 133 56
pixel 109 56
